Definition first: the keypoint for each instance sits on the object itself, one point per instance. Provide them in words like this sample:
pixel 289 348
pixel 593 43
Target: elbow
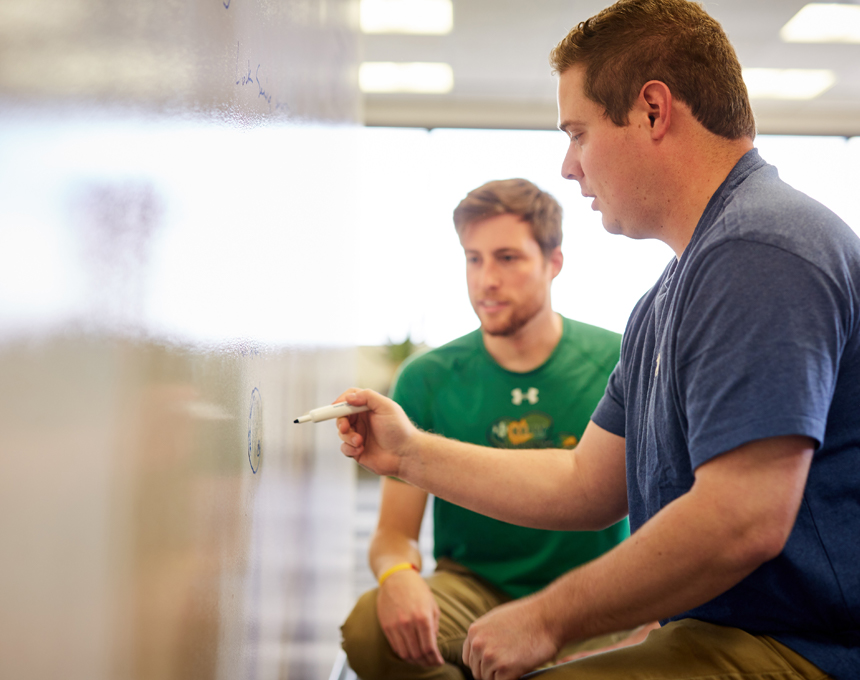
pixel 762 543
pixel 597 519
pixel 747 537
pixel 757 551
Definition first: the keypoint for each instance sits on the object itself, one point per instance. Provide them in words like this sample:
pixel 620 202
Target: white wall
pixel 411 259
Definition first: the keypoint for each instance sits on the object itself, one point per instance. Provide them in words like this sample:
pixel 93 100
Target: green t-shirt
pixel 460 392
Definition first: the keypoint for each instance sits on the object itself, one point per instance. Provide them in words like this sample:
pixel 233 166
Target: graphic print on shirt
pixel 567 440
pixel 531 396
pixel 531 431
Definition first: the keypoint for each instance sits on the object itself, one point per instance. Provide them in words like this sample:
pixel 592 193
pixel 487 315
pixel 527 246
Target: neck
pixel 530 346
pixel 692 182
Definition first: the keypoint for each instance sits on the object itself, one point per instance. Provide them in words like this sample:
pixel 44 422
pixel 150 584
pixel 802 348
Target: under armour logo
pixel 531 396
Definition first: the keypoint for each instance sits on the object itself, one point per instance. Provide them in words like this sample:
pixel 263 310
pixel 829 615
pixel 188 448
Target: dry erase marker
pixel 337 410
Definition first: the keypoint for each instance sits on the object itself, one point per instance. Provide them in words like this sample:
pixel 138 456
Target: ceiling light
pixel 419 77
pixel 820 23
pixel 433 17
pixel 787 83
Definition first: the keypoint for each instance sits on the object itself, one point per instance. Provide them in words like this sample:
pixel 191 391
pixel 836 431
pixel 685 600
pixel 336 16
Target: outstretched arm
pixel 582 489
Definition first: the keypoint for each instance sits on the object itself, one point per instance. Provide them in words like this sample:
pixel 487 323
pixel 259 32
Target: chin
pixel 507 328
pixel 612 227
pixel 499 332
pixel 494 328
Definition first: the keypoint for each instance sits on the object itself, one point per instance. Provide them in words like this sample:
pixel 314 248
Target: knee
pixel 365 644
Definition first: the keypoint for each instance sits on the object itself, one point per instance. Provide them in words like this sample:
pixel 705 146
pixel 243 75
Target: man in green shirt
pixel 528 378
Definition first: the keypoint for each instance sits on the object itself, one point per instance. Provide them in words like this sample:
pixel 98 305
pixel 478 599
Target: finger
pixel 370 398
pixel 350 423
pixel 437 653
pixel 476 661
pixel 476 669
pixel 410 638
pixel 429 645
pixel 471 658
pixel 348 435
pixel 478 665
pixel 352 451
pixel 343 425
pixel 397 644
pixel 402 638
pixel 358 397
pixel 425 631
pixel 345 394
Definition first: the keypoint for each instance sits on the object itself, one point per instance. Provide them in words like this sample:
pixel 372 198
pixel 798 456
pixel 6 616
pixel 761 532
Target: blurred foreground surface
pixel 160 515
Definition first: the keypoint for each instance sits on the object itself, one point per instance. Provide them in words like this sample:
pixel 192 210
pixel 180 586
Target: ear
pixel 655 101
pixel 555 260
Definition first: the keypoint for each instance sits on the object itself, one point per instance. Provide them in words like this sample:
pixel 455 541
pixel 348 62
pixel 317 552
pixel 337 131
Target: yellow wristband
pixel 393 570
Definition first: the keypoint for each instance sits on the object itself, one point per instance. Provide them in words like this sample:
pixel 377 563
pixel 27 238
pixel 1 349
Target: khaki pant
pixel 462 598
pixel 687 649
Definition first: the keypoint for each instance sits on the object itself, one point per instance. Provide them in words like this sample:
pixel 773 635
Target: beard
pixel 518 318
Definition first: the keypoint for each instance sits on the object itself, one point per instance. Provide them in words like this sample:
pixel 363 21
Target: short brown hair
pixel 515 197
pixel 673 41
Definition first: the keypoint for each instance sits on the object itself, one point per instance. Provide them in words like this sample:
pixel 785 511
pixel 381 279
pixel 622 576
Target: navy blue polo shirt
pixel 755 333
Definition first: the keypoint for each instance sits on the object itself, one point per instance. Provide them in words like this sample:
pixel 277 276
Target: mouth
pixel 593 202
pixel 492 306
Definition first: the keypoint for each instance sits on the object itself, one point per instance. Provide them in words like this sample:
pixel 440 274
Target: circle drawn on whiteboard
pixel 255 431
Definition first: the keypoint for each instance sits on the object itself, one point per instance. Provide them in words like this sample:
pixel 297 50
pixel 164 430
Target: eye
pixel 573 136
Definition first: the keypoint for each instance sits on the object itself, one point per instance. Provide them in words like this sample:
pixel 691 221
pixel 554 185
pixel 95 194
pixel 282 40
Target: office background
pixel 218 214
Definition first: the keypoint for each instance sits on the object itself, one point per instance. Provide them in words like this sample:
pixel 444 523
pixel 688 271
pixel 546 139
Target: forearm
pixel 584 489
pixel 388 548
pixel 684 556
pixel 738 515
pixel 545 488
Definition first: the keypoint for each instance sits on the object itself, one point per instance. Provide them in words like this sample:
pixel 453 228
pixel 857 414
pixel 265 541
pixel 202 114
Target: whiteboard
pixel 160 514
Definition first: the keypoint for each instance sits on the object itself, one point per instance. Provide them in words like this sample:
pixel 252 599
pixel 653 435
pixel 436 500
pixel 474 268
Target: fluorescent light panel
pixel 824 23
pixel 428 17
pixel 787 83
pixel 416 77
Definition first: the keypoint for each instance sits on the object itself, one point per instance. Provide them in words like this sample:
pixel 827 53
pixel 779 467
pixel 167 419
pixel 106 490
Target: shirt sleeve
pixel 757 348
pixel 410 391
pixel 609 413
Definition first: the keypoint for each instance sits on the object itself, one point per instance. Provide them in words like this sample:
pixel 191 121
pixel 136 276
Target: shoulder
pixel 592 343
pixel 447 356
pixel 426 366
pixel 762 209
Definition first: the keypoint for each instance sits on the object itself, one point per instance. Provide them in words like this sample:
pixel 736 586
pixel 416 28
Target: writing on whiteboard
pixel 247 75
pixel 255 431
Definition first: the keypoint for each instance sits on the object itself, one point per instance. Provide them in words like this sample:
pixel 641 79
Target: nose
pixel 570 167
pixel 489 276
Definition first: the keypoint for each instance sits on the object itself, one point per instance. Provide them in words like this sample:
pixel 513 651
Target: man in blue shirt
pixel 730 430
